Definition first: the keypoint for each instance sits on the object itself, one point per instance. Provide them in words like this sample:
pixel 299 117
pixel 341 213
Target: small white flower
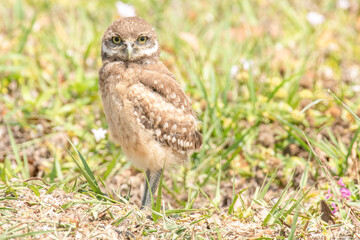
pixel 343 4
pixel 356 88
pixel 125 10
pixel 234 70
pixel 246 64
pixel 315 18
pixel 99 133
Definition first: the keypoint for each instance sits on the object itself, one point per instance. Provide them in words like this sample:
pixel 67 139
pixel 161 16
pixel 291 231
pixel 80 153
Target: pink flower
pixel 334 207
pixel 329 194
pixel 346 193
pixel 340 182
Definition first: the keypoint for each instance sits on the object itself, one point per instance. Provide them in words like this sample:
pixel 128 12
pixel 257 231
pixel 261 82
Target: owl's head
pixel 130 39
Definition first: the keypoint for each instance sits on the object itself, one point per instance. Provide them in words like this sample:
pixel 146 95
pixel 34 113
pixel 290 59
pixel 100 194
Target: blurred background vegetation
pixel 275 85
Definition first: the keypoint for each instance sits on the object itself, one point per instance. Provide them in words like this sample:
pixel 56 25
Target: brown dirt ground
pixel 86 219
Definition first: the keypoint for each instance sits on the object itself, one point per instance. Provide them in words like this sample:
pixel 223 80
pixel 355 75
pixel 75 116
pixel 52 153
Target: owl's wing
pixel 165 109
pixel 167 87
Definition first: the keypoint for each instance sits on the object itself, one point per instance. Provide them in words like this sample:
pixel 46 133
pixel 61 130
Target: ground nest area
pixel 275 86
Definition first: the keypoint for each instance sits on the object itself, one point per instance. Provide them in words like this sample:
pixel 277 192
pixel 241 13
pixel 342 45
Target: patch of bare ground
pixel 76 216
pixel 35 143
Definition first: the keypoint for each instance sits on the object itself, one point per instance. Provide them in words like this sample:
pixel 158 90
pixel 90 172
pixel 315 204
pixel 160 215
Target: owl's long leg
pixel 146 188
pixel 152 180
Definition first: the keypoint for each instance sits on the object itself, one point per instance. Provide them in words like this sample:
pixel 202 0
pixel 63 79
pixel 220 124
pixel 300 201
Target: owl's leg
pixel 146 188
pixel 153 179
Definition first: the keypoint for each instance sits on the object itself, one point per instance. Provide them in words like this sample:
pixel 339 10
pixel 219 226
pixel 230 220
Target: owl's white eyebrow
pixel 108 50
pixel 150 51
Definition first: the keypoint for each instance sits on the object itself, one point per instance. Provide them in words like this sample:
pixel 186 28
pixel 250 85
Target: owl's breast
pixel 120 120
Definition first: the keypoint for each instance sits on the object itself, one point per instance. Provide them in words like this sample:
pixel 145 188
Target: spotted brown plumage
pixel 148 113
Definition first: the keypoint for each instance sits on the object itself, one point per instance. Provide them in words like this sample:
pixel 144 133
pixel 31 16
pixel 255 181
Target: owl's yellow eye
pixel 142 39
pixel 116 40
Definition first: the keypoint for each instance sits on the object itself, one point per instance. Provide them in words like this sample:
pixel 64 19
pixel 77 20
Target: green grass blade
pixel 110 168
pixel 90 178
pixel 85 170
pixel 252 91
pixel 29 234
pixel 350 149
pixel 16 153
pixel 275 207
pixel 305 174
pixel 118 221
pixel 357 119
pixel 217 194
pixel 26 166
pixel 231 208
pixel 310 105
pixel 208 198
pixel 267 186
pixel 107 189
pixel 93 185
pixel 177 211
pixel 293 225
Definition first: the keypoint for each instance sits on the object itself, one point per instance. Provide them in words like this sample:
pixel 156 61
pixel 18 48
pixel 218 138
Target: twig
pixel 36 178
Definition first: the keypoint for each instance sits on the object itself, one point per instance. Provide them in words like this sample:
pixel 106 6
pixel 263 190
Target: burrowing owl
pixel 147 112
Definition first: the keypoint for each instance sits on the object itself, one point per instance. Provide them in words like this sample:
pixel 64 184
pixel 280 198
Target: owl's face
pixel 129 40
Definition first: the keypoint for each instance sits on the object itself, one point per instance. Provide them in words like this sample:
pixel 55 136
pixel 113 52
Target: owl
pixel 148 113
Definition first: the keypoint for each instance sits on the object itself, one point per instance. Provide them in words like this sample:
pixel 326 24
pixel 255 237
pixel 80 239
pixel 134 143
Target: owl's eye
pixel 142 39
pixel 116 40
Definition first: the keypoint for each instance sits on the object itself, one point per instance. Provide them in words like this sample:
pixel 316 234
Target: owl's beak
pixel 129 50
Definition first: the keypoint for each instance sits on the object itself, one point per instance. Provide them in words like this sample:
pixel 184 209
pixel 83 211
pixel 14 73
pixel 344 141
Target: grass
pixel 277 98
